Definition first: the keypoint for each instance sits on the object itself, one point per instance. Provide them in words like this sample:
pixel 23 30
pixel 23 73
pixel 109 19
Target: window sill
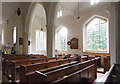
pixel 96 52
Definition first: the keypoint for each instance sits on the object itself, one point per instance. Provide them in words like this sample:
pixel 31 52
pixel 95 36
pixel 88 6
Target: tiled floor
pixel 99 75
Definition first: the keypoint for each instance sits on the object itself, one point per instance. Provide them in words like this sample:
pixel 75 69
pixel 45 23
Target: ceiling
pixel 0 13
pixel 9 8
pixel 73 6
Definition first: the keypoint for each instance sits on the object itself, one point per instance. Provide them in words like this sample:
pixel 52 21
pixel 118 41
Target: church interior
pixel 60 42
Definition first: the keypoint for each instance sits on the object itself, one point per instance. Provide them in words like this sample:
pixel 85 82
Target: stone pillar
pixel 0 37
pixel 19 35
pixel 51 12
pixel 50 41
pixel 112 31
pixel 118 33
pixel 114 34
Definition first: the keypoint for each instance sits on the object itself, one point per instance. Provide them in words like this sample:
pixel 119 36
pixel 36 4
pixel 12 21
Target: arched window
pixel 2 36
pixel 96 35
pixel 14 35
pixel 40 40
pixel 61 39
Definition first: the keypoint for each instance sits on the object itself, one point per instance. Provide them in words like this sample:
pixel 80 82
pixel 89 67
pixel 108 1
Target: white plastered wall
pixel 75 28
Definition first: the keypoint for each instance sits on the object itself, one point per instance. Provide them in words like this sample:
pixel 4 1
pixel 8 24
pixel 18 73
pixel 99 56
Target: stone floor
pixel 99 76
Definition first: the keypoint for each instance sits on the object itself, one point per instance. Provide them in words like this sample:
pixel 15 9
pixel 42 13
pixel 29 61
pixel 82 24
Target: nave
pixel 60 42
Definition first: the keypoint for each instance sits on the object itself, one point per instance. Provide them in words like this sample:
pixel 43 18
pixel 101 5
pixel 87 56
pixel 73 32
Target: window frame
pixel 14 35
pixel 56 38
pixel 44 40
pixel 59 13
pixel 85 50
pixel 2 42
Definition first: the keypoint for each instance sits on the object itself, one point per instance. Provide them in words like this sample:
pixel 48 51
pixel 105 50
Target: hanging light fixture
pixel 78 18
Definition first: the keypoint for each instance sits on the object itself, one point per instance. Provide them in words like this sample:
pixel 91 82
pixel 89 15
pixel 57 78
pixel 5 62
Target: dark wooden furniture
pixel 98 61
pixel 38 56
pixel 106 63
pixel 113 76
pixel 11 64
pixel 15 66
pixel 72 73
pixel 26 70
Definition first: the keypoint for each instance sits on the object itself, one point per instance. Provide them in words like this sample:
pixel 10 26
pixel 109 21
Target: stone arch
pixel 51 12
pixel 28 24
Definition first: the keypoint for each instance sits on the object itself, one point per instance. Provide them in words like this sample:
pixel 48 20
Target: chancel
pixel 60 42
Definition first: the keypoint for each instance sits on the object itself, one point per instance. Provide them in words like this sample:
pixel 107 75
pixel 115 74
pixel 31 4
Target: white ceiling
pixel 73 6
pixel 9 8
pixel 0 13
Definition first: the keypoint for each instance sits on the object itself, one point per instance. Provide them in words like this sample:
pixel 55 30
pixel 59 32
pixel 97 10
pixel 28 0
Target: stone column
pixel 19 35
pixel 0 42
pixel 118 33
pixel 50 41
pixel 51 11
pixel 114 34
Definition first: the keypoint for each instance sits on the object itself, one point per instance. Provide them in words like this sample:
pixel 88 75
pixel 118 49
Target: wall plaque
pixel 20 41
pixel 74 43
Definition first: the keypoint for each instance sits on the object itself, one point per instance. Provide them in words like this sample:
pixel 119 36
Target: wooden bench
pixel 38 56
pixel 106 63
pixel 78 76
pixel 7 59
pixel 16 64
pixel 6 62
pixel 88 70
pixel 25 70
pixel 112 76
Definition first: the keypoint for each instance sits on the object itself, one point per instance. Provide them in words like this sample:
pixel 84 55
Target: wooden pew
pixel 55 76
pixel 99 61
pixel 8 60
pixel 59 66
pixel 16 65
pixel 6 63
pixel 60 58
pixel 39 56
pixel 106 63
pixel 84 58
pixel 51 59
pixel 78 76
pixel 112 76
pixel 25 70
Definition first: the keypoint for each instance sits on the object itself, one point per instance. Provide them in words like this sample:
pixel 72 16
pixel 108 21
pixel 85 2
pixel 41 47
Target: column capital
pixel 50 26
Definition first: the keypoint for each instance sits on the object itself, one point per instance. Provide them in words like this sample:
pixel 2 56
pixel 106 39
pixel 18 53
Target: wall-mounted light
pixel 41 29
pixel 7 22
pixel 18 12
